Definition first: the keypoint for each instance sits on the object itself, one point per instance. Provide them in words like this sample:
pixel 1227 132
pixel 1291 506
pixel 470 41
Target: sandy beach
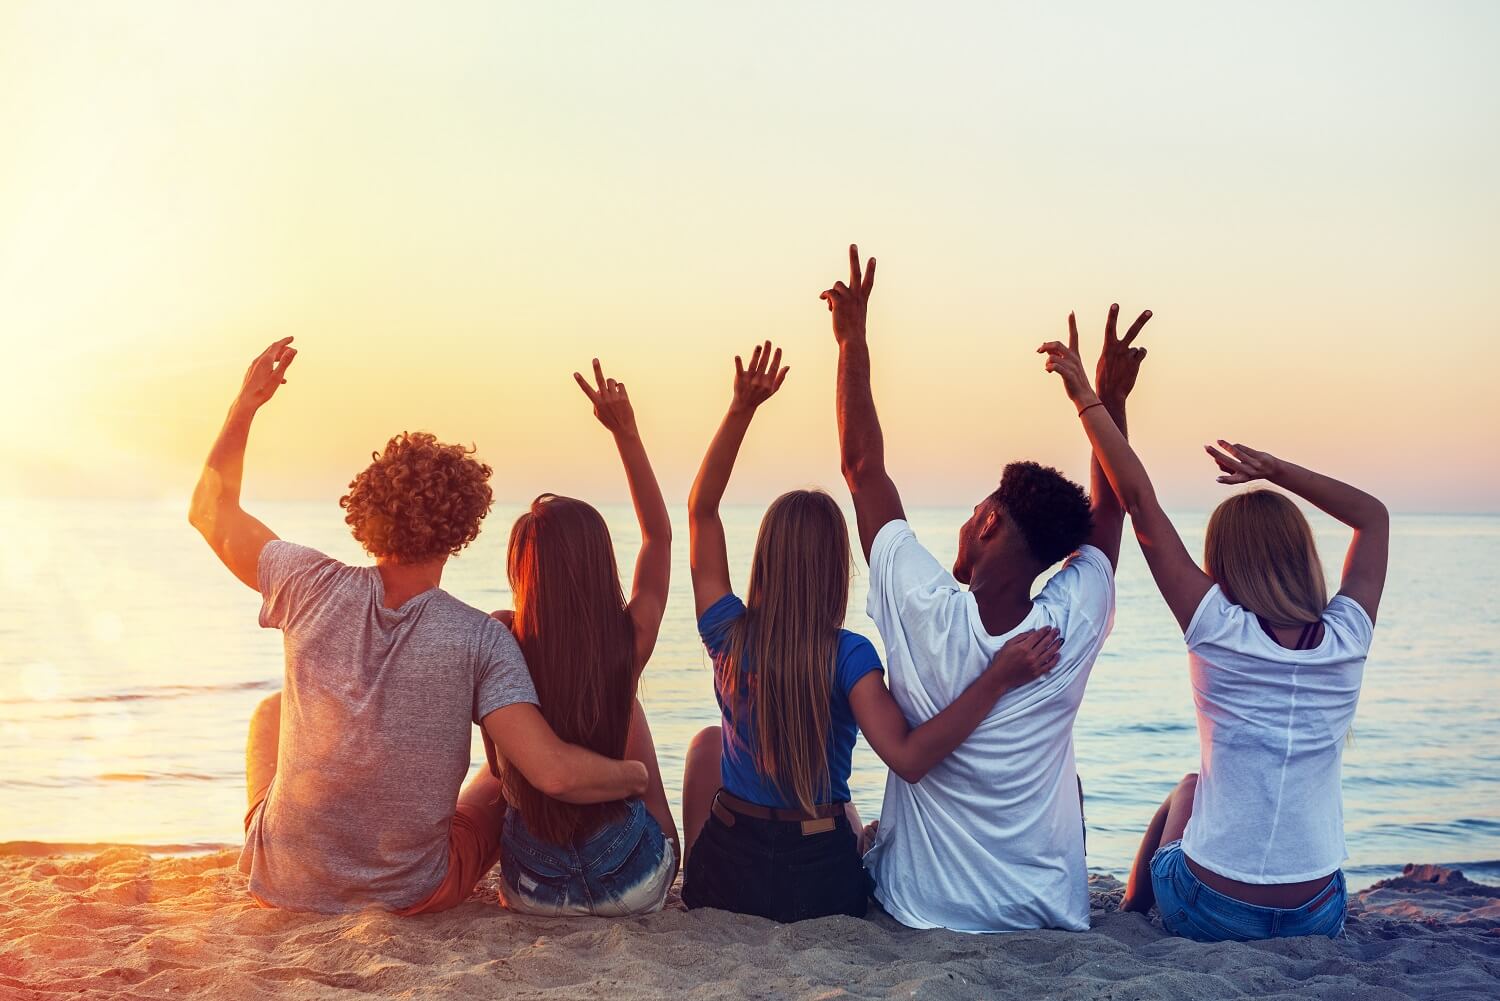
pixel 115 922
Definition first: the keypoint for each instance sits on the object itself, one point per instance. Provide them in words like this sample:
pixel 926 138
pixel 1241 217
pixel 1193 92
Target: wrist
pixel 1087 399
pixel 241 411
pixel 742 410
pixel 630 434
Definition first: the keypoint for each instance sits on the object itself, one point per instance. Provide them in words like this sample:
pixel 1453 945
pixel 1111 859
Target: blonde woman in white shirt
pixel 1251 846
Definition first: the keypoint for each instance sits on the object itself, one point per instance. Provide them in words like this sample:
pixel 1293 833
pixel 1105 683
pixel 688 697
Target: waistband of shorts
pixel 824 817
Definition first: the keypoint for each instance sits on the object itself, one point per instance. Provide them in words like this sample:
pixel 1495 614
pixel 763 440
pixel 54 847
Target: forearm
pixel 924 746
pixel 645 492
pixel 586 777
pixel 1348 504
pixel 861 442
pixel 718 463
pixel 1123 470
pixel 223 471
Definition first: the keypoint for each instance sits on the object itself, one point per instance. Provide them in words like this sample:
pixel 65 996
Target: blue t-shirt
pixel 856 658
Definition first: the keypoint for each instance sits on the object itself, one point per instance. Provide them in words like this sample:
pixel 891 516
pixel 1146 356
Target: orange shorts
pixel 473 850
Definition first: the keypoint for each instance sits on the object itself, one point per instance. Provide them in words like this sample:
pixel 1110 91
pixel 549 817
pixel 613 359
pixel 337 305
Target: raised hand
pixel 1243 463
pixel 1063 359
pixel 1026 657
pixel 848 303
pixel 266 374
pixel 1119 362
pixel 611 403
pixel 758 383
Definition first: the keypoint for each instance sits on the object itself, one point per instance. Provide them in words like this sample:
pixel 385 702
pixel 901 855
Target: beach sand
pixel 113 922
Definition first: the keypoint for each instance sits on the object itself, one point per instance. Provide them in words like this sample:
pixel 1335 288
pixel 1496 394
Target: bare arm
pixel 1369 550
pixel 706 548
pixel 861 442
pixel 557 769
pixel 1115 375
pixel 653 565
pixel 913 751
pixel 1181 582
pixel 235 536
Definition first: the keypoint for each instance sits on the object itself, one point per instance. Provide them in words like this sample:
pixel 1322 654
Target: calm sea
pixel 130 661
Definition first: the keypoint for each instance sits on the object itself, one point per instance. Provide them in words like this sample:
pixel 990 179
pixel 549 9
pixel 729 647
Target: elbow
pixel 1137 502
pixel 910 775
pixel 857 469
pixel 554 781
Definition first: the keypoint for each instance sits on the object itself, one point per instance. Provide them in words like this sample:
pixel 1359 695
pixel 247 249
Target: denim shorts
pixel 625 867
pixel 769 868
pixel 1197 911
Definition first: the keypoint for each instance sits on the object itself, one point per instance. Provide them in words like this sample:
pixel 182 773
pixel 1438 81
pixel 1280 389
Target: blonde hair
pixel 782 652
pixel 1260 550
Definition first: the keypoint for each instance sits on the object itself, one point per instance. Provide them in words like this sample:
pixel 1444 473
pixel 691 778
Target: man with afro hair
pixel 992 838
pixel 354 770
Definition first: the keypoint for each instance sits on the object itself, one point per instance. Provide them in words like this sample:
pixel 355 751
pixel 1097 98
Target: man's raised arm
pixel 861 445
pixel 236 537
pixel 1119 364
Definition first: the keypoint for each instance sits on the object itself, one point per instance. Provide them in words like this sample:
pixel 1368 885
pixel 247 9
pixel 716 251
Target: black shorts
pixel 771 869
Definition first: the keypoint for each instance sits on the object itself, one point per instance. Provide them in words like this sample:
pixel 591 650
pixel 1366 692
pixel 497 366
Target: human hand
pixel 848 303
pixel 611 402
pixel 758 383
pixel 1063 359
pixel 1026 657
pixel 266 374
pixel 1119 363
pixel 1243 463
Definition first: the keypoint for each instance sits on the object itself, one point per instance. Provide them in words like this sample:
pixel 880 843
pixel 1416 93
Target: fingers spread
pixel 598 375
pixel 583 384
pixel 782 377
pixel 1109 323
pixel 1135 328
pixel 739 367
pixel 1072 333
pixel 869 283
pixel 853 266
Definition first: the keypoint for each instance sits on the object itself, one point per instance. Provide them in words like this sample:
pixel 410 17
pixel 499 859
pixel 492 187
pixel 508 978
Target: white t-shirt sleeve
pixel 1349 620
pixel 919 610
pixel 1218 622
pixel 904 576
pixel 1081 596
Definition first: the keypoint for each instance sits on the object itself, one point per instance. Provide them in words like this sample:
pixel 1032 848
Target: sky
pixel 453 207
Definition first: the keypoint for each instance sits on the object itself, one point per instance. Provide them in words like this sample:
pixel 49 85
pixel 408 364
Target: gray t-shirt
pixel 375 735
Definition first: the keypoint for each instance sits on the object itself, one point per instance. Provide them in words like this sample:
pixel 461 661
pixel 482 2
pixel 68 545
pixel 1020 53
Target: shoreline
pixel 120 922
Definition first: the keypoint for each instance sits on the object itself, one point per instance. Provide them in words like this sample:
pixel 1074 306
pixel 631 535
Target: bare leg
pixel 700 783
pixel 485 795
pixel 1168 825
pixel 640 747
pixel 260 748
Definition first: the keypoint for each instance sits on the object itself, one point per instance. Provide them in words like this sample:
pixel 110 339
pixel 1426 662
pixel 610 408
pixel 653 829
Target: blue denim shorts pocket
pixel 625 867
pixel 1191 909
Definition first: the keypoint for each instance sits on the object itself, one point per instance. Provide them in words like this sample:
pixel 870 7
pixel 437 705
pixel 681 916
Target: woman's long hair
pixel 1260 550
pixel 781 660
pixel 579 641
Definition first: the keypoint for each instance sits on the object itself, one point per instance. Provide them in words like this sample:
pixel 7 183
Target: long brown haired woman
pixel 1252 845
pixel 586 647
pixel 768 823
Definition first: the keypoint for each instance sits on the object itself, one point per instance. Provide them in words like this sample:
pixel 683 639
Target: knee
pixel 267 712
pixel 705 741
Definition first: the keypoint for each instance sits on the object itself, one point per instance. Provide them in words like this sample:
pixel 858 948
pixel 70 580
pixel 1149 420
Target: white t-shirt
pixel 1271 724
pixel 991 839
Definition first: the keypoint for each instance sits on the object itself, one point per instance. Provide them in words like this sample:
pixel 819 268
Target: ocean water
pixel 130 661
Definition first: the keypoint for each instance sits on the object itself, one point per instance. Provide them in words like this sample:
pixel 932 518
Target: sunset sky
pixel 454 206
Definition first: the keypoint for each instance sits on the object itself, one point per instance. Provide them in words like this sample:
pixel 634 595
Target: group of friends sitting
pixel 356 769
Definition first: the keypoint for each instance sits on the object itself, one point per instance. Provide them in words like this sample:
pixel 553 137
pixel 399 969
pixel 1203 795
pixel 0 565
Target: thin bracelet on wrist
pixel 1091 406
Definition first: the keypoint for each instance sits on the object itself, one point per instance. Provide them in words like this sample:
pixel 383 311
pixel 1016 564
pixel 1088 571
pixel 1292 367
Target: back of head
pixel 1050 511
pixel 418 500
pixel 789 638
pixel 576 633
pixel 1260 550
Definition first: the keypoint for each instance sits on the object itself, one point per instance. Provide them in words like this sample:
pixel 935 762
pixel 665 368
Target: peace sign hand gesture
pixel 611 403
pixel 1243 463
pixel 1063 359
pixel 267 373
pixel 758 383
pixel 848 303
pixel 1119 363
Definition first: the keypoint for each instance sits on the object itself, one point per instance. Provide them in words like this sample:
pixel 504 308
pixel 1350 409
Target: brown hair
pixel 579 641
pixel 1260 550
pixel 782 652
pixel 419 500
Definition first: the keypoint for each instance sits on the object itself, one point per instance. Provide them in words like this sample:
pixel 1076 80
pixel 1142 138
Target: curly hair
pixel 1051 510
pixel 419 500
